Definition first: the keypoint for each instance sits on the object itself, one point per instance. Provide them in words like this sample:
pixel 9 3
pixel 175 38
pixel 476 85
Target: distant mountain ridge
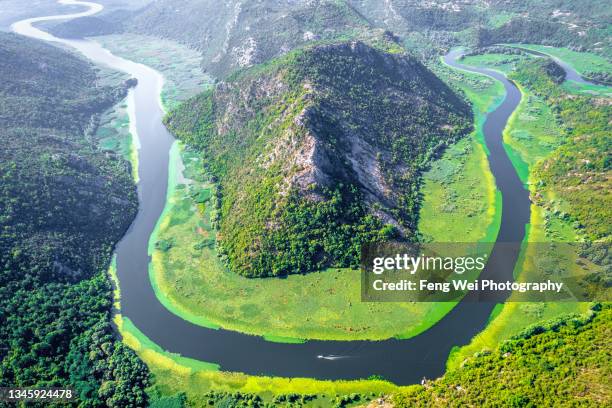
pixel 237 34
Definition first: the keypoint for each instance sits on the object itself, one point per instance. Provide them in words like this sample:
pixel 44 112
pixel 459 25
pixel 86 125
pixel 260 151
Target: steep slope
pixel 63 206
pixel 318 152
pixel 562 363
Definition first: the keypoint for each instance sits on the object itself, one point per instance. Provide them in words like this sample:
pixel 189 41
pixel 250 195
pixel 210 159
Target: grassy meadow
pixel 460 200
pixel 504 63
pixel 532 134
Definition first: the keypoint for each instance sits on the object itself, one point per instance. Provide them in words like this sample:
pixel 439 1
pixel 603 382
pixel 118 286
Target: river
pixel 570 73
pixel 401 361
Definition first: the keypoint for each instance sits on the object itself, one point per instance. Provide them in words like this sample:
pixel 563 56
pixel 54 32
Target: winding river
pixel 401 361
pixel 570 73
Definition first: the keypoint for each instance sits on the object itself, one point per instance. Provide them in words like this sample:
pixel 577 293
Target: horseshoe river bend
pixel 401 361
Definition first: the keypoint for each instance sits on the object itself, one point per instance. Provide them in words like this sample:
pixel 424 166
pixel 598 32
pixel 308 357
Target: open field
pixel 460 200
pixel 500 62
pixel 532 134
pixel 457 204
pixel 587 89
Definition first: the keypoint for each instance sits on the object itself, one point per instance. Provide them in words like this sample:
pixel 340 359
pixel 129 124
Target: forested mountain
pixel 318 152
pixel 240 33
pixel 63 206
pixel 581 24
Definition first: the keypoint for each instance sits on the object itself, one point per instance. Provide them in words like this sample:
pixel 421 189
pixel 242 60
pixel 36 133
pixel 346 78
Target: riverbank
pixel 579 66
pixel 460 198
pixel 176 374
pixel 179 64
pixel 583 62
pixel 533 134
pixel 190 280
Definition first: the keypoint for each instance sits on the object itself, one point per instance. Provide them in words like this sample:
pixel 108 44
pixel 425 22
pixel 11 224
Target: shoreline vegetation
pixel 174 373
pixel 117 132
pixel 587 64
pixel 178 64
pixel 65 203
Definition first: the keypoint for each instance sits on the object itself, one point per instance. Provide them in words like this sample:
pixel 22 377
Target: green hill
pixel 318 152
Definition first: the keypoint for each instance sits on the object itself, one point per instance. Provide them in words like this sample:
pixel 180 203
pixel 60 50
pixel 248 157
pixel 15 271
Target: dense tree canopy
pixel 63 206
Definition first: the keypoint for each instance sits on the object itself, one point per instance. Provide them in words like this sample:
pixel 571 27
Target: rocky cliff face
pixel 319 152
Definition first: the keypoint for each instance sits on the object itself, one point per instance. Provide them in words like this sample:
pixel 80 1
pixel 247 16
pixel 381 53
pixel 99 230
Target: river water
pixel 401 361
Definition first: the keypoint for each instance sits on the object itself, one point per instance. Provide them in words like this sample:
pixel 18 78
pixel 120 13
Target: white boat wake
pixel 332 357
